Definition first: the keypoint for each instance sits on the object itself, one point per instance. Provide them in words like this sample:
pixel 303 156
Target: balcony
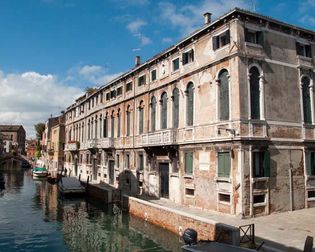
pixel 93 144
pixel 107 143
pixel 159 138
pixel 72 146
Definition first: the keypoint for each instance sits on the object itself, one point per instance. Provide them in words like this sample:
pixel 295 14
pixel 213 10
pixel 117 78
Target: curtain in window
pixel 190 104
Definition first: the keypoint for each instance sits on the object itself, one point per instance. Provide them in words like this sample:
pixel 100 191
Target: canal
pixel 34 218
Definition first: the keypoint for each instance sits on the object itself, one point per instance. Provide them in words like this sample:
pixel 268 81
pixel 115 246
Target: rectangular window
pixel 119 91
pixel 254 37
pixel 224 164
pixel 153 75
pixel 128 86
pixel 175 64
pixel 141 162
pixel 189 192
pixel 113 94
pixel 107 96
pixel 189 163
pixel 224 197
pixel 261 164
pixel 311 194
pixel 188 57
pixel 221 40
pixel 303 50
pixel 310 163
pixel 259 198
pixel 141 80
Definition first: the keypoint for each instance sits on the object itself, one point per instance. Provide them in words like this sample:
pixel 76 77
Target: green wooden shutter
pixel 141 120
pixel 260 38
pixel 118 125
pixel 308 163
pixel 266 163
pixel 153 113
pixel 128 123
pixel 189 163
pixel 192 55
pixel 306 101
pixel 224 164
pixel 215 43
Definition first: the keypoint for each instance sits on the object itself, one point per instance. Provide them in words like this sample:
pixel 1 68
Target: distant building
pixel 13 138
pixel 53 140
pixel 30 148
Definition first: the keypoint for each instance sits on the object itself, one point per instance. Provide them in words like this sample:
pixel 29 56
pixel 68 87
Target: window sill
pixel 310 177
pixel 259 204
pixel 175 175
pixel 188 177
pixel 222 179
pixel 190 196
pixel 175 72
pixel 225 203
pixel 222 48
pixel 301 57
pixel 187 64
pixel 253 45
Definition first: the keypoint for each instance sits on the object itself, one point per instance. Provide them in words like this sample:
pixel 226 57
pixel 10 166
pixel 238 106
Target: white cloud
pixel 90 70
pixel 135 27
pixel 189 17
pixel 167 40
pixel 306 12
pixel 31 97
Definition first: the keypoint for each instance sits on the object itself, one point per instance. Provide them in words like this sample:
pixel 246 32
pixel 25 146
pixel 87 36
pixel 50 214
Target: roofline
pixel 203 28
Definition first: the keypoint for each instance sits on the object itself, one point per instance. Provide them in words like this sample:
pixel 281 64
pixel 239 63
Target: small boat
pixel 70 186
pixel 193 245
pixel 39 172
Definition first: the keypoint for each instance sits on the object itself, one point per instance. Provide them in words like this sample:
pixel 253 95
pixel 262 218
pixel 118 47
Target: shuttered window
pixel 221 40
pixel 190 104
pixel 164 111
pixel 310 163
pixel 254 93
pixel 254 37
pixel 224 95
pixel 188 57
pixel 101 122
pixel 153 113
pixel 224 164
pixel 153 75
pixel 307 112
pixel 175 107
pixel 188 163
pixel 261 164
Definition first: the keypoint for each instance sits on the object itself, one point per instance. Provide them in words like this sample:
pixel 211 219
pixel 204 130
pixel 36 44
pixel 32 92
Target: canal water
pixel 34 218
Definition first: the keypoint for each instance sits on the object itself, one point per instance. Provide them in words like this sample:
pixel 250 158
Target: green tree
pixel 39 128
pixel 90 90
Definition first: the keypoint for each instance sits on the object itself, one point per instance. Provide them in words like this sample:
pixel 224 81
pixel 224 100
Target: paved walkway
pixel 280 232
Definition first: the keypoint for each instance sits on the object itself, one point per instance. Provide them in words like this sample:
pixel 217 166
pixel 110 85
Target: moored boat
pixel 39 172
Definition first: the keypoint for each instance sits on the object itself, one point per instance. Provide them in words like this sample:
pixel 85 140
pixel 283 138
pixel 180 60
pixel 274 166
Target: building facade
pixel 223 120
pixel 14 138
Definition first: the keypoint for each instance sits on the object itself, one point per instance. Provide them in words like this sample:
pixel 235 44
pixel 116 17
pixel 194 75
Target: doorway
pixel 164 180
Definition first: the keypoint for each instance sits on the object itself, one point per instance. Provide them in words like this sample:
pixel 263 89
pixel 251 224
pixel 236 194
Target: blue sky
pixel 50 50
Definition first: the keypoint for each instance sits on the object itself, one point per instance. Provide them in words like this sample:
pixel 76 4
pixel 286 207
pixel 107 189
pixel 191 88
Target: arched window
pixel 306 95
pixel 95 133
pixel 164 111
pixel 141 112
pixel 128 121
pixel 82 132
pixel 254 93
pixel 105 126
pixel 190 104
pixel 112 124
pixel 91 128
pixel 101 122
pixel 153 113
pixel 118 123
pixel 175 107
pixel 89 125
pixel 224 95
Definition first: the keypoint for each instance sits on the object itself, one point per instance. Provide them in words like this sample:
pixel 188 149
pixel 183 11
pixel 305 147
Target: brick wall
pixel 177 221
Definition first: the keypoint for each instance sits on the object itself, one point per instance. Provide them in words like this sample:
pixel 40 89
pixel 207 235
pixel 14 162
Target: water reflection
pixel 36 219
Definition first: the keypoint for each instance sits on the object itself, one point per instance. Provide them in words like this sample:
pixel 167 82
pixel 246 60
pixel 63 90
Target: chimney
pixel 137 61
pixel 207 18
